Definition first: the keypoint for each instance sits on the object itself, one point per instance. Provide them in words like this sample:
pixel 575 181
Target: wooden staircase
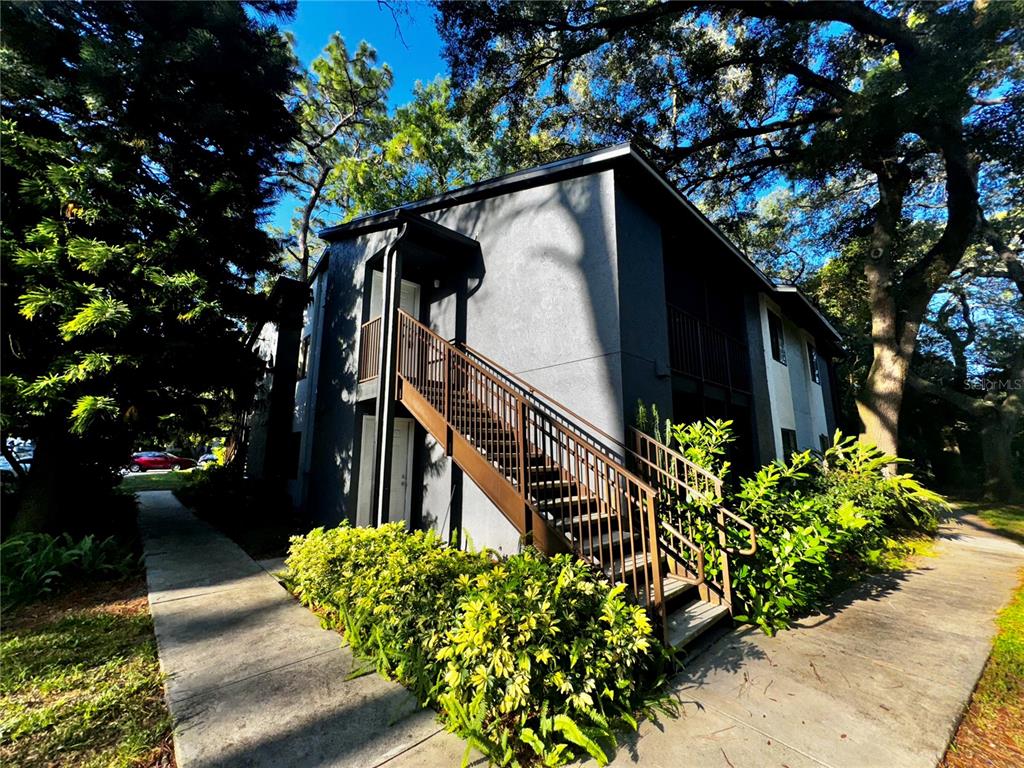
pixel 560 481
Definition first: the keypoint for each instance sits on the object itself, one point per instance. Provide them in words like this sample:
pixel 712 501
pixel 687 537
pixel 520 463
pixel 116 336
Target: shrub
pixel 36 564
pixel 821 519
pixel 257 514
pixel 531 659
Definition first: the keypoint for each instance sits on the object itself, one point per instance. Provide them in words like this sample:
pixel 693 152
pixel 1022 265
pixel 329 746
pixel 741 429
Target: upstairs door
pixel 408 300
pixel 409 297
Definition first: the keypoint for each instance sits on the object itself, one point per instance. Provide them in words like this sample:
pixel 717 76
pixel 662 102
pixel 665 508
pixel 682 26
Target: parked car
pixel 207 458
pixel 158 460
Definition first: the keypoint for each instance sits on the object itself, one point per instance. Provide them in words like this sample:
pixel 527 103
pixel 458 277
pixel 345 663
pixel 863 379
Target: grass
pixel 1006 519
pixel 80 683
pixel 152 481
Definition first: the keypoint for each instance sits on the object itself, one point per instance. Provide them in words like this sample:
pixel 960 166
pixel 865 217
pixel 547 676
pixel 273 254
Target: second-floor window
pixel 778 341
pixel 812 359
pixel 788 443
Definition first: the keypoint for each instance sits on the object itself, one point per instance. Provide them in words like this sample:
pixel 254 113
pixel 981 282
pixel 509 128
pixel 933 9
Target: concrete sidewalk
pixel 880 682
pixel 253 680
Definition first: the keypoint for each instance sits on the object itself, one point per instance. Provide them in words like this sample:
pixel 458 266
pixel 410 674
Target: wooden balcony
pixel 369 350
pixel 700 350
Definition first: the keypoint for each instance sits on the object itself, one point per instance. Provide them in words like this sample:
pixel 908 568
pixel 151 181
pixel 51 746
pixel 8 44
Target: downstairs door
pixel 401 472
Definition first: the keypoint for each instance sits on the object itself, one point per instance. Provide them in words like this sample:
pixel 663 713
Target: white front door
pixel 401 472
pixel 408 297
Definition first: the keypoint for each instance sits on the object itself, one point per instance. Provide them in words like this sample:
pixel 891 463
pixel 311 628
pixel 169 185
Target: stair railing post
pixel 521 443
pixel 658 595
pixel 446 362
pixel 723 543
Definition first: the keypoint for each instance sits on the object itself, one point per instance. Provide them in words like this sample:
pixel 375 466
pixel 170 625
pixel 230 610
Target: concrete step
pixel 688 623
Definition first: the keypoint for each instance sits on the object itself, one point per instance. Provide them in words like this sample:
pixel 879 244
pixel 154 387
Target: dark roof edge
pixel 392 219
pixel 792 290
pixel 499 184
pixel 607 156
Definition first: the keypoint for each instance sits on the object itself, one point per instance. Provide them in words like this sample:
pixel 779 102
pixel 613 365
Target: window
pixel 778 341
pixel 788 443
pixel 812 359
pixel 303 358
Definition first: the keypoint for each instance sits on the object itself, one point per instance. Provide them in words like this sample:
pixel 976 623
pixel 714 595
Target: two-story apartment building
pixel 575 289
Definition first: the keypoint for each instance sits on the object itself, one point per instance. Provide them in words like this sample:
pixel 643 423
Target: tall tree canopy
pixel 137 143
pixel 339 105
pixel 353 155
pixel 881 116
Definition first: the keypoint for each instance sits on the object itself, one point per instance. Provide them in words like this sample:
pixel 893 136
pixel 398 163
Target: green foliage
pixel 257 514
pixel 820 520
pixel 82 689
pixel 353 156
pixel 531 659
pixel 137 141
pixel 705 444
pixel 37 564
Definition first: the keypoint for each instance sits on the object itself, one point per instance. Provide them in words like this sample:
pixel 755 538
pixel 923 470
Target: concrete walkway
pixel 880 682
pixel 252 678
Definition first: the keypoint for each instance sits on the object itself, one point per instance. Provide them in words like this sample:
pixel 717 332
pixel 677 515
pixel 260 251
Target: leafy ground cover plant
pixel 533 660
pixel 80 683
pixel 821 519
pixel 37 564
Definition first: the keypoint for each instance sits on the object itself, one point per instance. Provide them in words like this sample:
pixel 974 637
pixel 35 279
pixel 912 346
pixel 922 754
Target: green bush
pixel 821 520
pixel 256 514
pixel 37 564
pixel 531 659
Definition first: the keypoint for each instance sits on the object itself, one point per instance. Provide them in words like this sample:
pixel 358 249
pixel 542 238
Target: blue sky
pixel 419 58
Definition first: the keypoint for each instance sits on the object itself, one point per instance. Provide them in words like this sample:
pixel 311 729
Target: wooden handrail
pixel 603 511
pixel 565 410
pixel 689 544
pixel 645 445
pixel 369 350
pixel 683 480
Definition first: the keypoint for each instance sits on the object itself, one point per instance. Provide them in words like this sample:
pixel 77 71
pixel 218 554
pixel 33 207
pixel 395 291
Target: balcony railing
pixel 701 350
pixel 369 350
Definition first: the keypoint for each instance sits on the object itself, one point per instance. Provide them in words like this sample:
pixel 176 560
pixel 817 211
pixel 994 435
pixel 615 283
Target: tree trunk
pixel 880 403
pixel 996 442
pixel 40 505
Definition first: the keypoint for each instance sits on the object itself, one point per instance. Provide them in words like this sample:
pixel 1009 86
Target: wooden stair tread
pixel 604 529
pixel 672 586
pixel 686 624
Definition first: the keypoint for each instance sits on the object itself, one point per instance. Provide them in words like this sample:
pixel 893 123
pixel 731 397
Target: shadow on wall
pixel 334 421
pixel 547 303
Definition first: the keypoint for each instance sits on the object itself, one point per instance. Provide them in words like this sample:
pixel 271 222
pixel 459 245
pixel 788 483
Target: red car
pixel 158 460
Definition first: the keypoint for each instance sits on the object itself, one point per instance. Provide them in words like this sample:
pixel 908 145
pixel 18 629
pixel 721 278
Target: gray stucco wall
pixel 800 382
pixel 643 310
pixel 543 302
pixel 759 355
pixel 332 479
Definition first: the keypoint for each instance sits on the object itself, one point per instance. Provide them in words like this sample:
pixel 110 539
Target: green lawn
pixel 80 684
pixel 1008 519
pixel 156 481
